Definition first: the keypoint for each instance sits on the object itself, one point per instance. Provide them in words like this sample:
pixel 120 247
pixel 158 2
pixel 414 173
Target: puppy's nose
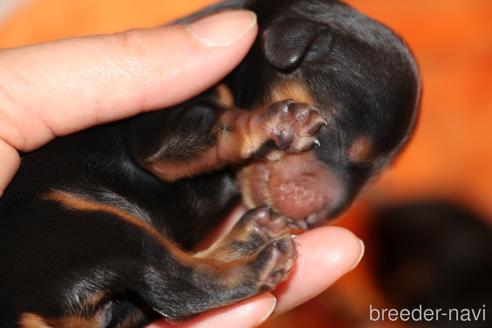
pixel 301 185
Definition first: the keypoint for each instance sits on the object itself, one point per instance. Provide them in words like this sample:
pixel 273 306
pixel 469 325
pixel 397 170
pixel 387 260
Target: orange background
pixel 450 154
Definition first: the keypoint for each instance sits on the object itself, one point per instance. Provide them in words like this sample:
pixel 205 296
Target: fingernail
pixel 223 29
pixel 269 313
pixel 362 251
pixel 153 325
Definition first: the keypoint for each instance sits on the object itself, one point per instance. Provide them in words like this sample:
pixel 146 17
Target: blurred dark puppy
pixel 434 254
pixel 97 228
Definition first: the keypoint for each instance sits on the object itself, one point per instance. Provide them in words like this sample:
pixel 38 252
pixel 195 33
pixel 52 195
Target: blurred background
pixel 427 221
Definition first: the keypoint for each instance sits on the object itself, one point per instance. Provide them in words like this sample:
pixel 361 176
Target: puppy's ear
pixel 287 41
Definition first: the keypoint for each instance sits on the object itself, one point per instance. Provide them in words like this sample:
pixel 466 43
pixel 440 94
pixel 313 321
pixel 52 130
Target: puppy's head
pixel 359 74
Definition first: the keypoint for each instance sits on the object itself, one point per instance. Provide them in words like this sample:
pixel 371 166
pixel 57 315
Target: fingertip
pixel 269 312
pixel 332 246
pixel 362 250
pixel 210 30
pixel 214 46
pixel 325 254
pixel 10 163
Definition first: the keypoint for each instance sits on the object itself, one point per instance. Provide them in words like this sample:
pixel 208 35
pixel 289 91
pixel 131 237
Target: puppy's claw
pixel 293 126
pixel 302 224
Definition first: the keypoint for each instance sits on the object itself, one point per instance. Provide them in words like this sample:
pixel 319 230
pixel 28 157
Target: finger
pixel 10 162
pixel 64 86
pixel 246 314
pixel 325 254
pixel 61 87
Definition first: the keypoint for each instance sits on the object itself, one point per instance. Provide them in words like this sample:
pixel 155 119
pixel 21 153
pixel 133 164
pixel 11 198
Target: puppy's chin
pixel 297 185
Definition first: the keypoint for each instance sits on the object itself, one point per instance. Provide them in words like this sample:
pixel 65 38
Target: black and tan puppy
pixel 96 229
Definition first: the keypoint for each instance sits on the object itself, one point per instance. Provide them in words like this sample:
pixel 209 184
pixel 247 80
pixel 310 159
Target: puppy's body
pixel 95 226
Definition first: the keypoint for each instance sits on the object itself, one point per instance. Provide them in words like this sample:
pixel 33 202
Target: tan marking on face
pixel 224 96
pixel 294 90
pixel 362 150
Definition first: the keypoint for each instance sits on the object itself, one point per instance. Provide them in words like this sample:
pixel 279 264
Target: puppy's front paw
pixel 293 126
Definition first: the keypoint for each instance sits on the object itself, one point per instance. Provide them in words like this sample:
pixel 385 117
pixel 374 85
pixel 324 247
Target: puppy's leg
pixel 254 257
pixel 133 258
pixel 207 137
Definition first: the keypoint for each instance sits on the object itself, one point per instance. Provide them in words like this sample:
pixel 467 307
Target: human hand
pixel 324 255
pixel 58 88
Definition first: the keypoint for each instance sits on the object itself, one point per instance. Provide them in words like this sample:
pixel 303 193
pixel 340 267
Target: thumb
pixel 61 87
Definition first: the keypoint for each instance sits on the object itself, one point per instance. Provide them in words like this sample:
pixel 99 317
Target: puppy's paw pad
pixel 276 261
pixel 293 126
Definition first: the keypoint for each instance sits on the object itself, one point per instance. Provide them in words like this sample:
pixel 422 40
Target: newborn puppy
pixel 324 56
pixel 98 227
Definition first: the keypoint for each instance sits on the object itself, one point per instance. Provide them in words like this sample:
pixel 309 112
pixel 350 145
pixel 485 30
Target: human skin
pixel 57 88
